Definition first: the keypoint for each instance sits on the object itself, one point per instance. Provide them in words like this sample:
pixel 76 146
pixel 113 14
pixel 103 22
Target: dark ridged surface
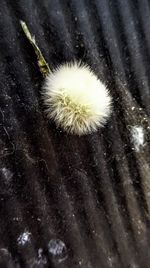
pixel 68 201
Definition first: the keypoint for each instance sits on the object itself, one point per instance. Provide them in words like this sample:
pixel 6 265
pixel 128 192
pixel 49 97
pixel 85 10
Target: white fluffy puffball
pixel 76 99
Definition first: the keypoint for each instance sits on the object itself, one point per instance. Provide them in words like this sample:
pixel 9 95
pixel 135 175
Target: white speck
pixel 15 219
pixel 24 238
pixel 138 139
pixel 57 249
pixel 7 174
pixel 41 257
pixel 110 261
pixel 40 252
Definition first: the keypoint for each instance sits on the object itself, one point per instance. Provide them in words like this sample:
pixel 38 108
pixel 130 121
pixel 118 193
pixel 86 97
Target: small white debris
pixel 15 219
pixel 24 238
pixel 57 249
pixel 7 174
pixel 41 258
pixel 138 139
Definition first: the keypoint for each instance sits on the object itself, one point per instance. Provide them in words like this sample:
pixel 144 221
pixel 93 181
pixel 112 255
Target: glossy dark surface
pixel 69 201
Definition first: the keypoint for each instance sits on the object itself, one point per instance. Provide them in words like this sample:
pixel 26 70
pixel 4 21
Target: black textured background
pixel 69 201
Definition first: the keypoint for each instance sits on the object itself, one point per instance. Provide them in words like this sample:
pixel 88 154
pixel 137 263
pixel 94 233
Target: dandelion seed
pixel 74 97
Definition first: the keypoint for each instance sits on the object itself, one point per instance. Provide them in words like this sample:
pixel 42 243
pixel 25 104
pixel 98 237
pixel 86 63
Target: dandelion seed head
pixel 76 99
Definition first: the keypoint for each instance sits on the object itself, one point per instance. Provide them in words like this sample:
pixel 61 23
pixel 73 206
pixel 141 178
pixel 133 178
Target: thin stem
pixel 43 65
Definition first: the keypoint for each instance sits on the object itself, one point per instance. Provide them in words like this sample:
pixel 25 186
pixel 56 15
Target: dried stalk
pixel 43 65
